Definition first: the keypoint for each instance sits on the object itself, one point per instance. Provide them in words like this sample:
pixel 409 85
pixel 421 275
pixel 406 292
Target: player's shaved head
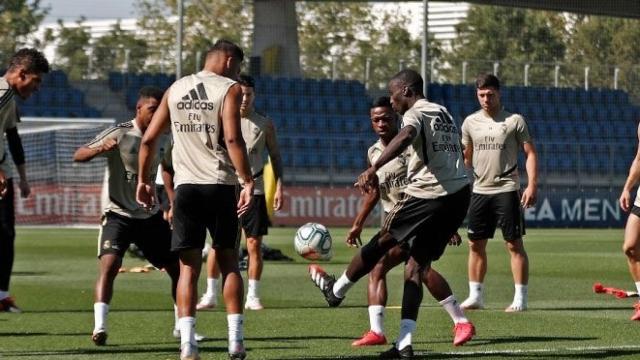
pixel 382 101
pixel 411 79
pixel 228 48
pixel 150 92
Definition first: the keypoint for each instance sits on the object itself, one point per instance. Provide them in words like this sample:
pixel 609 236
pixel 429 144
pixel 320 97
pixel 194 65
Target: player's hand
pixel 528 197
pixel 146 195
pixel 25 189
pixel 246 198
pixel 3 184
pixel 455 240
pixel 109 144
pixel 278 199
pixel 353 237
pixel 367 181
pixel 167 215
pixel 625 200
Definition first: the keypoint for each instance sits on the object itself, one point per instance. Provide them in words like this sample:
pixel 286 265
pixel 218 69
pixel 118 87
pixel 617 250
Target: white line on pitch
pixel 547 350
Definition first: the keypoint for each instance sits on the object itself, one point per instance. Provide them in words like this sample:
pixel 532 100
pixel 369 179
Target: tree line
pixel 340 38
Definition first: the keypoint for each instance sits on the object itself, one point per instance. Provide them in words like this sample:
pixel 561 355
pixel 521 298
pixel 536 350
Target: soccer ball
pixel 313 242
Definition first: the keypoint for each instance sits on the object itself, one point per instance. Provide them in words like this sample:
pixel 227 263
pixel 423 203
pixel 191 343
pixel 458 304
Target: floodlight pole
pixel 425 44
pixel 179 31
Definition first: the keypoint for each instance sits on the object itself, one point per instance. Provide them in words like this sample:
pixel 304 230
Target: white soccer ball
pixel 313 242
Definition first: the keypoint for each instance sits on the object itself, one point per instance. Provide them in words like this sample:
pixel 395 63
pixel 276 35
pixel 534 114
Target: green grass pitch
pixel 55 270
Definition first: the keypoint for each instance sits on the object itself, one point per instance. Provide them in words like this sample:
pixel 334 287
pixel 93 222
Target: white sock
pixel 252 288
pixel 521 294
pixel 454 310
pixel 475 290
pixel 4 294
pixel 175 317
pixel 235 324
pixel 637 287
pixel 407 327
pixel 187 327
pixel 342 285
pixel 100 311
pixel 212 287
pixel 376 318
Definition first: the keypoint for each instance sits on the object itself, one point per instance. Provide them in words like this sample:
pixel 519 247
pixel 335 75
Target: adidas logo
pixel 196 99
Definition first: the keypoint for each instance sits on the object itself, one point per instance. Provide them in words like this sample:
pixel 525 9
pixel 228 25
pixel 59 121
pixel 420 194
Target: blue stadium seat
pixel 563 113
pixel 260 103
pixel 518 94
pixel 287 158
pixel 434 91
pixel 76 98
pixel 289 104
pixel 116 81
pixel 602 114
pixel 297 87
pixel 361 105
pixel 582 130
pixel 312 87
pixel 570 95
pixel 60 97
pixel 582 97
pixel 621 97
pixel 550 112
pixel 448 93
pixel 547 96
pixel 356 88
pixel 286 86
pixel 274 103
pixel 331 104
pixel 342 88
pixel 327 87
pixel 533 95
pixel 271 87
pixel 45 97
pixel 596 96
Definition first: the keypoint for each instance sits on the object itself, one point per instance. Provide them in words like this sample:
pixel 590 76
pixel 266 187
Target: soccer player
pixel 23 77
pixel 424 220
pixel 259 133
pixel 203 112
pixel 392 181
pixel 631 245
pixel 124 221
pixel 492 138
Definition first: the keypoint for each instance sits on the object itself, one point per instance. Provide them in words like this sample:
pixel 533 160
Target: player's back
pixel 195 104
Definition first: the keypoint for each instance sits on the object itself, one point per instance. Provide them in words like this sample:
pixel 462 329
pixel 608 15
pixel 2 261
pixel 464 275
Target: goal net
pixel 62 192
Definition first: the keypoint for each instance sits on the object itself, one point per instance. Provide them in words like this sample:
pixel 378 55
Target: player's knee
pixel 516 246
pixel 254 244
pixel 478 247
pixel 630 251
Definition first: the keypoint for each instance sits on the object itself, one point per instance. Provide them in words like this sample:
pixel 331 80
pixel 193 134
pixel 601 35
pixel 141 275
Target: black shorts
pixel 198 208
pixel 635 211
pixel 152 236
pixel 163 198
pixel 426 225
pixel 255 222
pixel 487 211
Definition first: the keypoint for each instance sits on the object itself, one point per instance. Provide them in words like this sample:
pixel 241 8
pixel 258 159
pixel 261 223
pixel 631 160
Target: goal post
pixel 63 193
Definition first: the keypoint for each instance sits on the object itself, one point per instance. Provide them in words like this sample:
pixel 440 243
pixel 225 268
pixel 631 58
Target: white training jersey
pixel 199 155
pixel 392 177
pixel 436 167
pixel 8 120
pixel 254 131
pixel 496 142
pixel 122 168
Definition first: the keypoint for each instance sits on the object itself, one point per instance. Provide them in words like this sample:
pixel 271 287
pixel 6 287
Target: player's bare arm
pixel 632 180
pixel 17 153
pixel 529 194
pixel 399 143
pixel 167 180
pixel 85 153
pixel 370 201
pixel 467 152
pixel 236 145
pixel 276 162
pixel 145 192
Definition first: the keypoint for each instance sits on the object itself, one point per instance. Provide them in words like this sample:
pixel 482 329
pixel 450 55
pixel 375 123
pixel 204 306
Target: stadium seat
pixel 312 87
pixel 327 87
